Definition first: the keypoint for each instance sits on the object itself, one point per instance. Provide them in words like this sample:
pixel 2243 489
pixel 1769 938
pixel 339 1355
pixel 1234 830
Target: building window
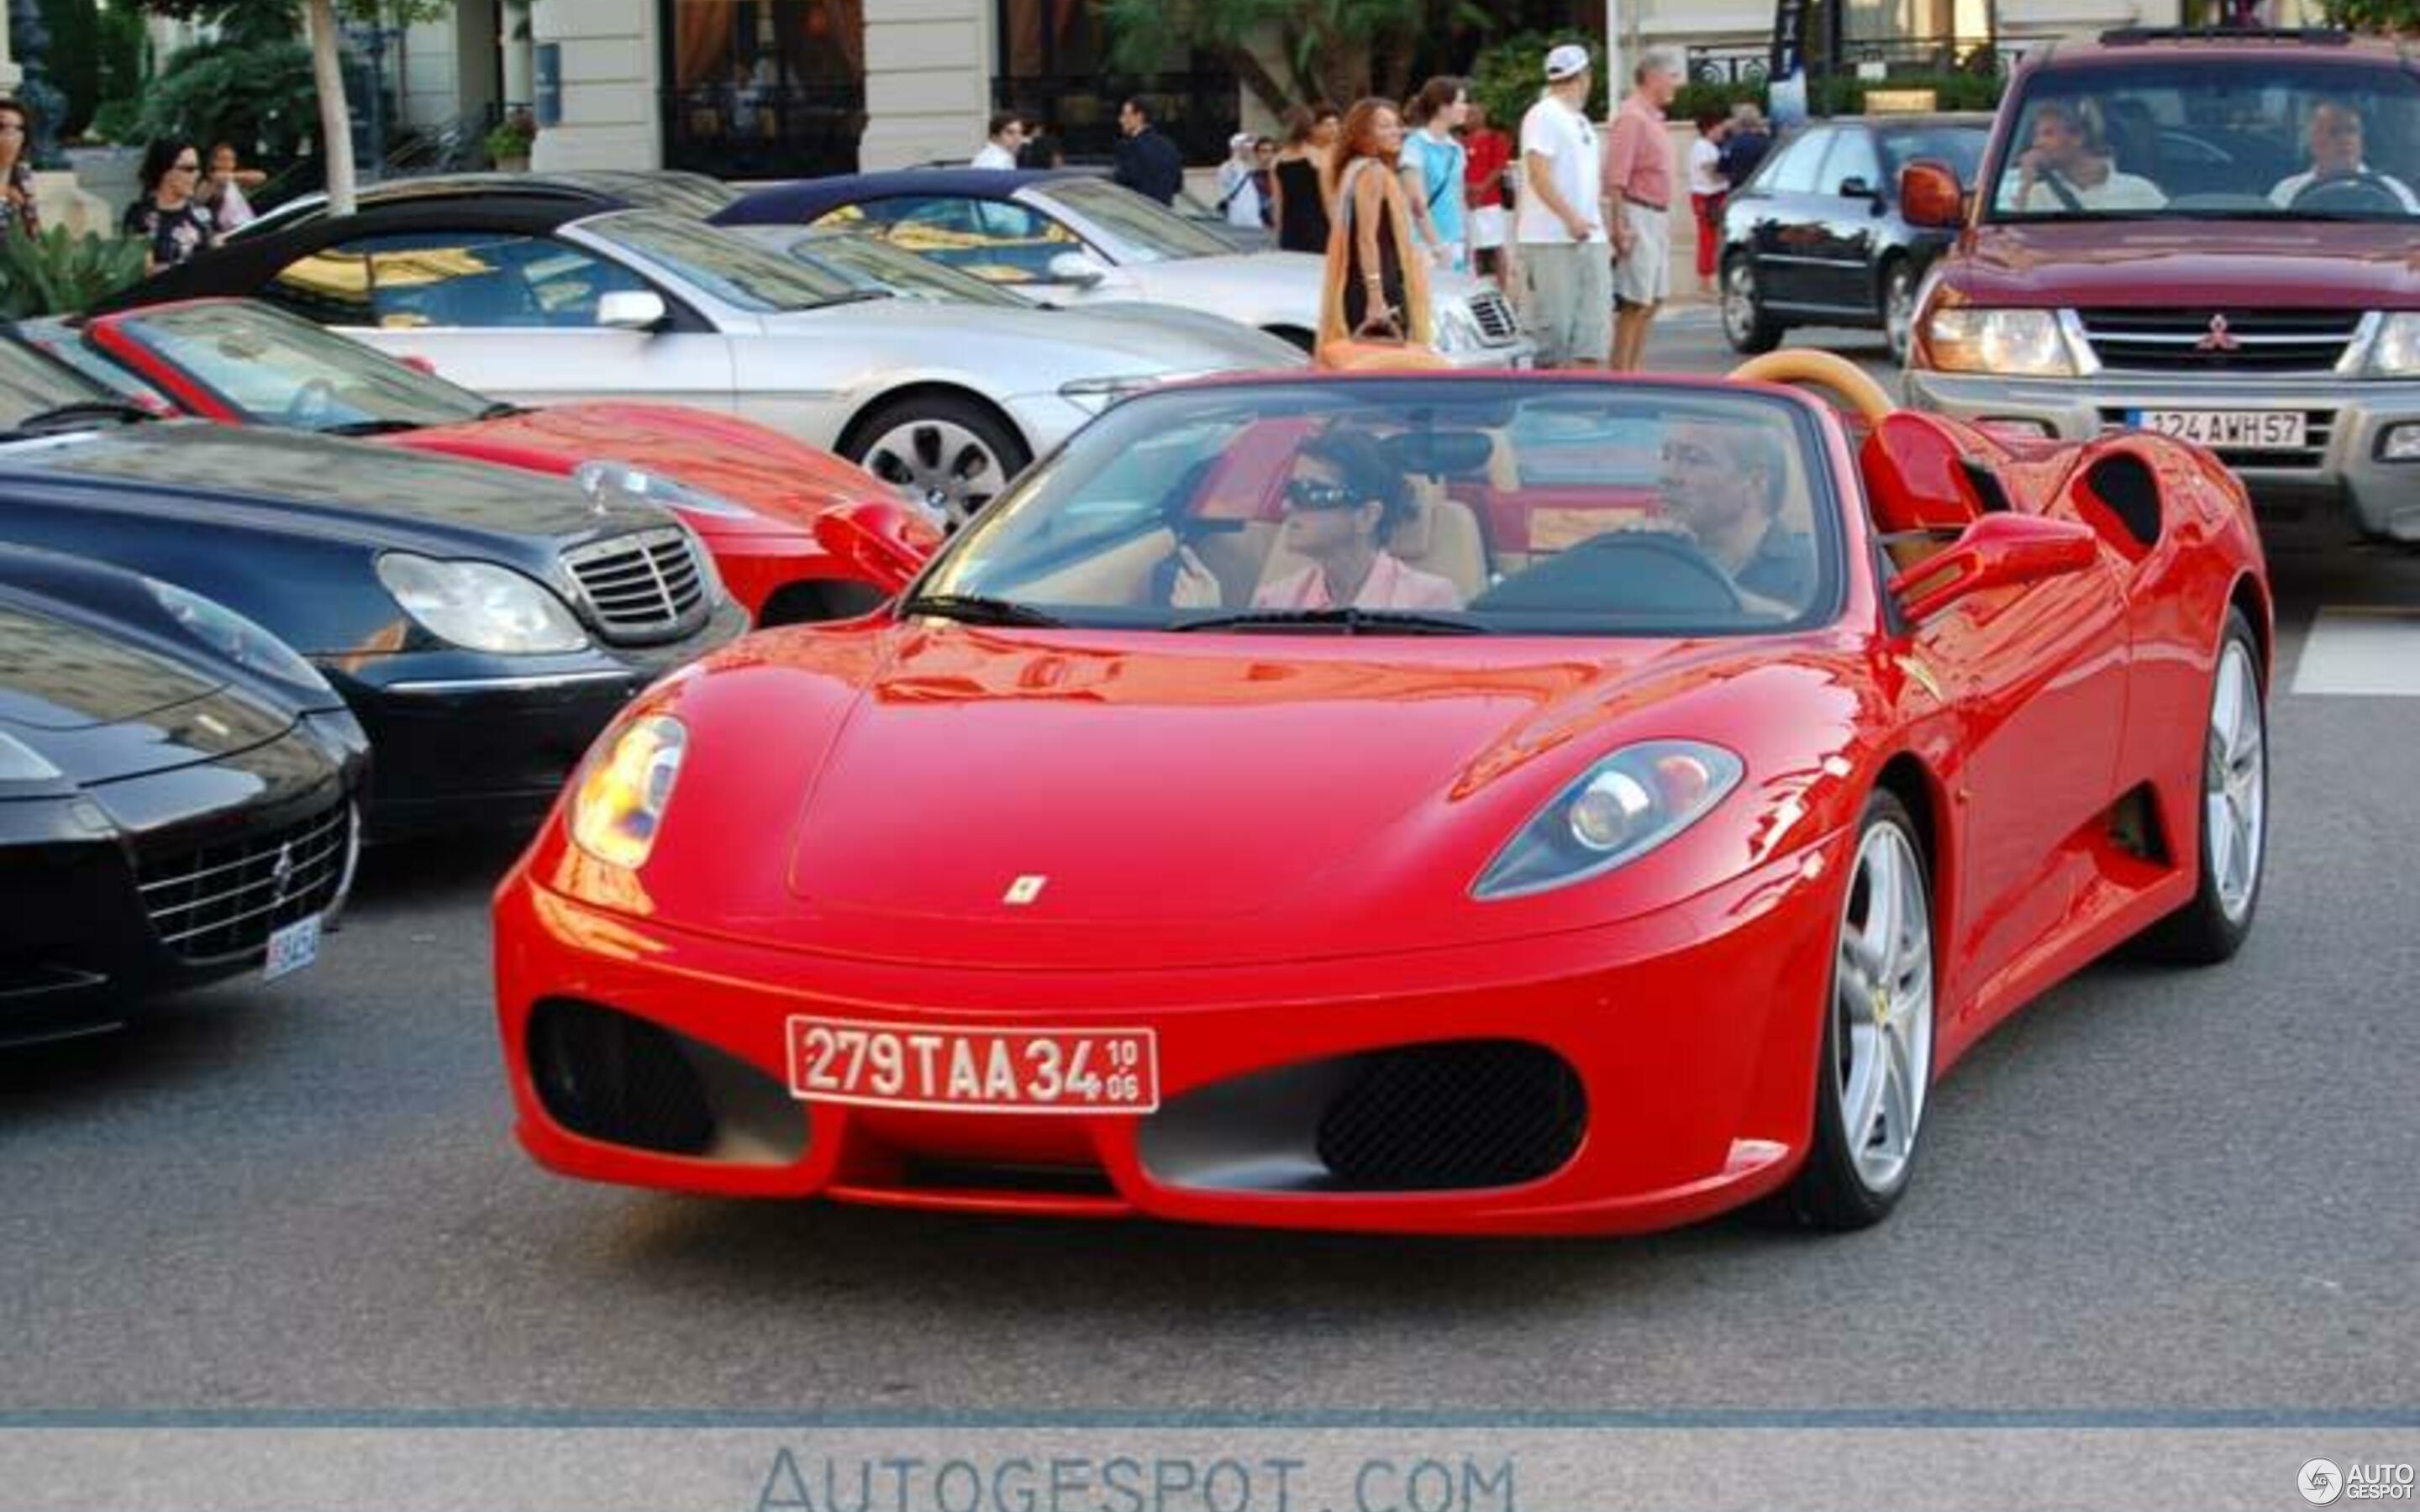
pixel 764 88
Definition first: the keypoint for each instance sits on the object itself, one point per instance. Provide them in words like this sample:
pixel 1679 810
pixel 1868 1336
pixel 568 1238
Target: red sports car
pixel 1461 804
pixel 752 493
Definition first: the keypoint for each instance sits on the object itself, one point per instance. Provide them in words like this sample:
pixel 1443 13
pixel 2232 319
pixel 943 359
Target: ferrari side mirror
pixel 2001 550
pixel 885 542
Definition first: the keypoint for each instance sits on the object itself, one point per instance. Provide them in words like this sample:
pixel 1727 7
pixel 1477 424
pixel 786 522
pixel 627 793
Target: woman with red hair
pixel 1376 291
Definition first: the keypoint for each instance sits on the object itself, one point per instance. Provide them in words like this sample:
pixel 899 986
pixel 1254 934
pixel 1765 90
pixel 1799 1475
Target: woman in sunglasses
pixel 169 218
pixel 1343 502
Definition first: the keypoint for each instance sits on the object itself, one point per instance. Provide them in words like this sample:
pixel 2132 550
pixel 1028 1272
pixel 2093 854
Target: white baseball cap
pixel 1241 139
pixel 1565 62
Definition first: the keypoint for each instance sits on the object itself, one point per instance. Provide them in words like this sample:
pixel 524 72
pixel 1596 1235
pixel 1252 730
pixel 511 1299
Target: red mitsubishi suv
pixel 2214 234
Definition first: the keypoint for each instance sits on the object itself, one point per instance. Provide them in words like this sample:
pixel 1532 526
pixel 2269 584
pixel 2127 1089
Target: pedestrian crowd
pixel 1569 216
pixel 184 207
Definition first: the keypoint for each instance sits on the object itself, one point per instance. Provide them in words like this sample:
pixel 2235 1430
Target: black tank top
pixel 1305 226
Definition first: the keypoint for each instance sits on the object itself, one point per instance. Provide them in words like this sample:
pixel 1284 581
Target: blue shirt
pixel 1441 165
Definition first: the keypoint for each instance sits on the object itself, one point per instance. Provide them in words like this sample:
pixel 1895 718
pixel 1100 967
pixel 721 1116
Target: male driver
pixel 1007 136
pixel 1149 162
pixel 1639 190
pixel 1725 484
pixel 1559 220
pixel 2333 137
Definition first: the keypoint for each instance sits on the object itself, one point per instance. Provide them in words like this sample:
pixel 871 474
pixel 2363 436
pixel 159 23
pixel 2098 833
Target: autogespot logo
pixel 2320 1482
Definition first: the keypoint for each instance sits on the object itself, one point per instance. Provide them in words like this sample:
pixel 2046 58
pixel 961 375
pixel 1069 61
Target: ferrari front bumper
pixel 1683 1042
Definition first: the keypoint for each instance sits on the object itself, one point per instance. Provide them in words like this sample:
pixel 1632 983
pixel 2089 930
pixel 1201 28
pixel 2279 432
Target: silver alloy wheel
pixel 940 464
pixel 2235 787
pixel 1739 302
pixel 1881 1043
pixel 1899 309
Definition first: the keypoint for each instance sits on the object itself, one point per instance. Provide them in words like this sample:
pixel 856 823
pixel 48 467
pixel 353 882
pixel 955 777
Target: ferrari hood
pixel 1293 777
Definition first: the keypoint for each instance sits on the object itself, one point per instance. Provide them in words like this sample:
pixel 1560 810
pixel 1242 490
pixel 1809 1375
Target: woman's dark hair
pixel 23 112
pixel 1365 470
pixel 1297 125
pixel 1707 120
pixel 1325 110
pixel 1002 119
pixel 1436 95
pixel 160 156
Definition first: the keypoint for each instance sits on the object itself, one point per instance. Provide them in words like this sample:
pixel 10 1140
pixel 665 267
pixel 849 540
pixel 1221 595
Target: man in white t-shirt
pixel 1007 136
pixel 2335 142
pixel 1559 220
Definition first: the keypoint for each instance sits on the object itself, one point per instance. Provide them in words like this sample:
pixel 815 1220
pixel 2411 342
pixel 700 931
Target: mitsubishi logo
pixel 281 877
pixel 2220 339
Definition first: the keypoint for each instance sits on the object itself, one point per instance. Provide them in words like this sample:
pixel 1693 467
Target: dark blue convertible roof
pixel 812 199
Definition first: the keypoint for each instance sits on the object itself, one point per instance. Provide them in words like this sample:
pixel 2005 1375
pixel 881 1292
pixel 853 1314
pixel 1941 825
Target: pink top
pixel 1389 585
pixel 1638 158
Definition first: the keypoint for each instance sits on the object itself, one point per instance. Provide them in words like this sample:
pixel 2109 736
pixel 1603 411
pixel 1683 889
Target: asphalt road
pixel 2152 1190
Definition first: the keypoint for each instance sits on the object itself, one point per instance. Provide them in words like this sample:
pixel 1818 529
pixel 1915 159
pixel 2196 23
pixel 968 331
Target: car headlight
pixel 2396 353
pixel 617 808
pixel 236 637
pixel 1620 808
pixel 601 475
pixel 479 605
pixel 1457 330
pixel 2011 342
pixel 21 763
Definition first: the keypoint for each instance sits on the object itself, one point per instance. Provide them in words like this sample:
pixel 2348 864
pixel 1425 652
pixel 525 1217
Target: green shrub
pixel 60 273
pixel 1508 76
pixel 259 96
pixel 115 121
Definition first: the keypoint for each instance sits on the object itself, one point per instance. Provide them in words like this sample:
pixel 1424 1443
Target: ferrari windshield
pixel 2263 138
pixel 1141 231
pixel 278 370
pixel 1421 507
pixel 731 268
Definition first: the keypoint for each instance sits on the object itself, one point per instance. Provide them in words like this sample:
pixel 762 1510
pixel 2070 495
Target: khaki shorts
pixel 1644 275
pixel 1571 300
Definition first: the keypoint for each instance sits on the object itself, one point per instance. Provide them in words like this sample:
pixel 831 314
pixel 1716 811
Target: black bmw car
pixel 176 796
pixel 483 623
pixel 1815 236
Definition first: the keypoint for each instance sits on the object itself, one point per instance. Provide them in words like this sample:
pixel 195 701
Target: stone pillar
pixel 9 73
pixel 514 41
pixel 611 116
pixel 928 71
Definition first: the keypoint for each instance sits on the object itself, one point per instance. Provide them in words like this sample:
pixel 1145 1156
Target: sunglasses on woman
pixel 1309 493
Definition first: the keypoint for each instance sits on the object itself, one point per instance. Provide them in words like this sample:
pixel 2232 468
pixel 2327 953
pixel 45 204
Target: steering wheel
pixel 313 406
pixel 1823 370
pixel 1622 571
pixel 2367 191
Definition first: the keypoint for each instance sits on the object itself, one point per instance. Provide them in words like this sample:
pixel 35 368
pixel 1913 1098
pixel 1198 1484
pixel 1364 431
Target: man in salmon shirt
pixel 1638 187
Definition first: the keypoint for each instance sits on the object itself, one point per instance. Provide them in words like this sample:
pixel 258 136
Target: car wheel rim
pixel 1739 301
pixel 1899 310
pixel 2235 787
pixel 940 464
pixel 1881 1043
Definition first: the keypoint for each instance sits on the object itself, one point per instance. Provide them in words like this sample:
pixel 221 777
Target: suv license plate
pixel 2240 430
pixel 291 948
pixel 968 1070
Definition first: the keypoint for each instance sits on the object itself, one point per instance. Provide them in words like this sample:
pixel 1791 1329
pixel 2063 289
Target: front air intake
pixel 1432 1118
pixel 609 1076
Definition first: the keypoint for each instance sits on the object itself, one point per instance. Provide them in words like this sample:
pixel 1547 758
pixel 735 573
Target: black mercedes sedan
pixel 483 623
pixel 176 796
pixel 1815 236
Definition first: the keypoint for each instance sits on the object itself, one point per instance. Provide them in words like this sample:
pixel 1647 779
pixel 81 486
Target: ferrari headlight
pixel 1620 808
pixel 2009 343
pixel 479 605
pixel 21 763
pixel 600 476
pixel 2396 353
pixel 241 640
pixel 618 807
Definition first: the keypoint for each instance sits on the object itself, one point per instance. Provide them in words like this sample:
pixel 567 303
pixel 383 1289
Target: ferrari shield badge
pixel 1024 890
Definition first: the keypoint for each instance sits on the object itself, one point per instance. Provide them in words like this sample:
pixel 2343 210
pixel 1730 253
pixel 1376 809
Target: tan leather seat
pixel 1437 535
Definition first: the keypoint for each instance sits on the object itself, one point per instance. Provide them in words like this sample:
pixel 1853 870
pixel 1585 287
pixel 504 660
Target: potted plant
pixel 508 144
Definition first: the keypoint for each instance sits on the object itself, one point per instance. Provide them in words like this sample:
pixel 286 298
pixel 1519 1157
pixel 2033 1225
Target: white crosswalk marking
pixel 2365 652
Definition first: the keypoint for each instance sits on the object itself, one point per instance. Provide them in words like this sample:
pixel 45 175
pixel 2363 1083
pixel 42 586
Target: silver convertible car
pixel 1065 237
pixel 541 300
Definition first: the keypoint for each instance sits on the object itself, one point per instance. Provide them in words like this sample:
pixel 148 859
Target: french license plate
pixel 291 948
pixel 2249 430
pixel 974 1071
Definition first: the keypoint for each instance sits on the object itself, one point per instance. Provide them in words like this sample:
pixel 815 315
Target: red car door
pixel 2038 675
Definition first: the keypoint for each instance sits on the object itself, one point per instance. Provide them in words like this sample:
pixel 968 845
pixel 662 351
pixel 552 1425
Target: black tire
pixel 939 413
pixel 1745 324
pixel 2204 931
pixel 1898 291
pixel 1830 1192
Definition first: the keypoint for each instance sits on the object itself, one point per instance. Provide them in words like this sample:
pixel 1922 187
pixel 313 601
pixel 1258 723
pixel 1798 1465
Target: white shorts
pixel 1487 228
pixel 1644 274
